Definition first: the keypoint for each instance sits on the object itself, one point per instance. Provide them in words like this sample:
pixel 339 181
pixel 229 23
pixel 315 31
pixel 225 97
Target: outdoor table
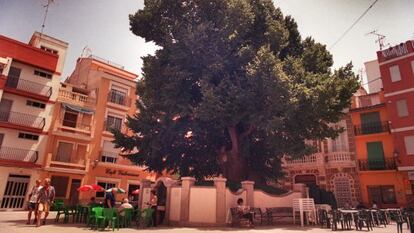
pixel 352 212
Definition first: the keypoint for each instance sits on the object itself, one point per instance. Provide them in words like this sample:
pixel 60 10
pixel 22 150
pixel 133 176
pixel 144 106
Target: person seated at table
pixel 123 206
pixel 360 206
pixel 244 211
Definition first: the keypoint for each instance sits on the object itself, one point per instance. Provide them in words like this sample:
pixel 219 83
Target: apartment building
pixel 29 84
pixel 332 168
pixel 377 169
pixel 97 97
pixel 396 66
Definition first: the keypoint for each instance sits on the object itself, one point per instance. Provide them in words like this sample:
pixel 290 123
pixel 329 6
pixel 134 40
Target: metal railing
pixel 308 159
pixel 29 86
pixel 374 165
pixel 118 97
pixel 23 119
pixel 15 154
pixel 371 128
pixel 75 97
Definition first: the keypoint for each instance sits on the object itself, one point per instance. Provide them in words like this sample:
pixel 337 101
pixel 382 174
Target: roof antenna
pixel 45 15
pixel 380 39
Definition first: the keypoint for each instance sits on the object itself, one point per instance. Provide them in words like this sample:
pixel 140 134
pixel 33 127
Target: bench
pixel 278 213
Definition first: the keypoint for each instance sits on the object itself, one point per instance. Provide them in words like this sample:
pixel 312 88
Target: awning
pixel 78 109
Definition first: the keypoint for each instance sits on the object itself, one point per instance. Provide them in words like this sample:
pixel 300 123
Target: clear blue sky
pixel 103 26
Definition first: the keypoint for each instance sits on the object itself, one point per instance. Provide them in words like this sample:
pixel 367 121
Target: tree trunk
pixel 235 166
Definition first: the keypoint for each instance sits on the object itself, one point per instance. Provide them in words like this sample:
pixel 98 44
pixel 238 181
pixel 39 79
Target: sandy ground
pixel 14 222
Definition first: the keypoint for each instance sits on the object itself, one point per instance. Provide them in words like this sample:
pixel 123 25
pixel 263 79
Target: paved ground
pixel 14 222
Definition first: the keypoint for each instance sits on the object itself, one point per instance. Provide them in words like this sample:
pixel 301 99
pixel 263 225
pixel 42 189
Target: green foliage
pixel 232 89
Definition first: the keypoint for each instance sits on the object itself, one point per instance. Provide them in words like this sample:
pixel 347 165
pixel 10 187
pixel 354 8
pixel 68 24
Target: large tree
pixel 232 89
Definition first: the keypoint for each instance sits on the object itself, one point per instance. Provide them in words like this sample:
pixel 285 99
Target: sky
pixel 103 26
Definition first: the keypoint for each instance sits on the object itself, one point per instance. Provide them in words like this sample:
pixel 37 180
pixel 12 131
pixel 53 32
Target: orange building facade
pixel 96 98
pixel 380 181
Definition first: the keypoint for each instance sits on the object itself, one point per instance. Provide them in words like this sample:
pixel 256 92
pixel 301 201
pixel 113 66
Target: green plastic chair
pixel 127 218
pixel 58 206
pixel 96 214
pixel 110 215
pixel 146 217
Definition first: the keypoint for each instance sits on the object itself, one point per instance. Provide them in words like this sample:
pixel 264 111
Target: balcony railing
pixel 308 159
pixel 75 124
pixel 118 97
pixel 22 119
pixel 76 98
pixel 367 100
pixel 339 157
pixel 15 154
pixel 28 86
pixel 371 128
pixel 374 165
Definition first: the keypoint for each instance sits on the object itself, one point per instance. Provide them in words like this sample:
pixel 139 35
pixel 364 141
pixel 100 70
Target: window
pixel 395 73
pixel 375 151
pixel 371 123
pixel 384 194
pixel 49 50
pixel 117 97
pixel 42 74
pixel 35 104
pixel 105 186
pixel 29 136
pixel 409 145
pixel 61 185
pixel 109 153
pixel 64 152
pixel 340 143
pixel 113 123
pixel 70 118
pixel 402 108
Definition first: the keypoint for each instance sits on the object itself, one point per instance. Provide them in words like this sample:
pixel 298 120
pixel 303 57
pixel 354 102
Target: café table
pixel 352 212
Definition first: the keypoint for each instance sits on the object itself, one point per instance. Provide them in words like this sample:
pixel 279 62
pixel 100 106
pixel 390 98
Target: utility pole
pixel 45 15
pixel 380 39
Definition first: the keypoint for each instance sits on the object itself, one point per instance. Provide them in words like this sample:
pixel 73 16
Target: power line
pixel 356 21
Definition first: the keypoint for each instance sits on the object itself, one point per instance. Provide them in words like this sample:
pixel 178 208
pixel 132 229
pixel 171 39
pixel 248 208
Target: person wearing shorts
pixel 34 194
pixel 45 199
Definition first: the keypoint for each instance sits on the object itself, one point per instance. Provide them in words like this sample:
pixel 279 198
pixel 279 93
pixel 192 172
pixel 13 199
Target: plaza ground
pixel 14 222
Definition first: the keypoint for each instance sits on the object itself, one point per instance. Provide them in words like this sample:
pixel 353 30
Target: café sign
pixel 119 172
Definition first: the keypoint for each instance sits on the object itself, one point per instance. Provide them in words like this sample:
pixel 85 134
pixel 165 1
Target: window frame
pixel 43 74
pixel 411 143
pixel 28 136
pixel 392 70
pixel 35 104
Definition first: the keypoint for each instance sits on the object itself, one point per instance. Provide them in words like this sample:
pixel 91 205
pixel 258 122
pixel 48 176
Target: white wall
pixel 373 82
pixel 231 198
pixel 202 205
pixel 263 200
pixel 12 140
pixel 175 204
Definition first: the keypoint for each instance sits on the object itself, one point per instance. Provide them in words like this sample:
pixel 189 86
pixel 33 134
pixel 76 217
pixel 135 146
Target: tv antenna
pixel 380 38
pixel 45 15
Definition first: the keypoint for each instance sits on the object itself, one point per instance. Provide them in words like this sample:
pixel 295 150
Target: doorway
pixel 308 180
pixel 162 200
pixel 74 194
pixel 5 107
pixel 15 192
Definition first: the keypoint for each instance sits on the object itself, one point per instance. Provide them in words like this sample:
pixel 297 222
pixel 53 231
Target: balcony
pixel 75 98
pixel 21 119
pixel 343 159
pixel 365 101
pixel 73 165
pixel 308 160
pixel 26 86
pixel 18 157
pixel 377 165
pixel 372 128
pixel 119 98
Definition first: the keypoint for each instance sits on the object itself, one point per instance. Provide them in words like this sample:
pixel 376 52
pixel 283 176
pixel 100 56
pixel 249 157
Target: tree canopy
pixel 231 90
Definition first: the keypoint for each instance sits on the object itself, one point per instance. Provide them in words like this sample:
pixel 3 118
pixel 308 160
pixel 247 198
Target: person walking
pixel 45 200
pixel 34 194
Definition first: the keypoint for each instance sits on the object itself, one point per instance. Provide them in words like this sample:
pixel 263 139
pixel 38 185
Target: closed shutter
pixel 371 123
pixel 375 155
